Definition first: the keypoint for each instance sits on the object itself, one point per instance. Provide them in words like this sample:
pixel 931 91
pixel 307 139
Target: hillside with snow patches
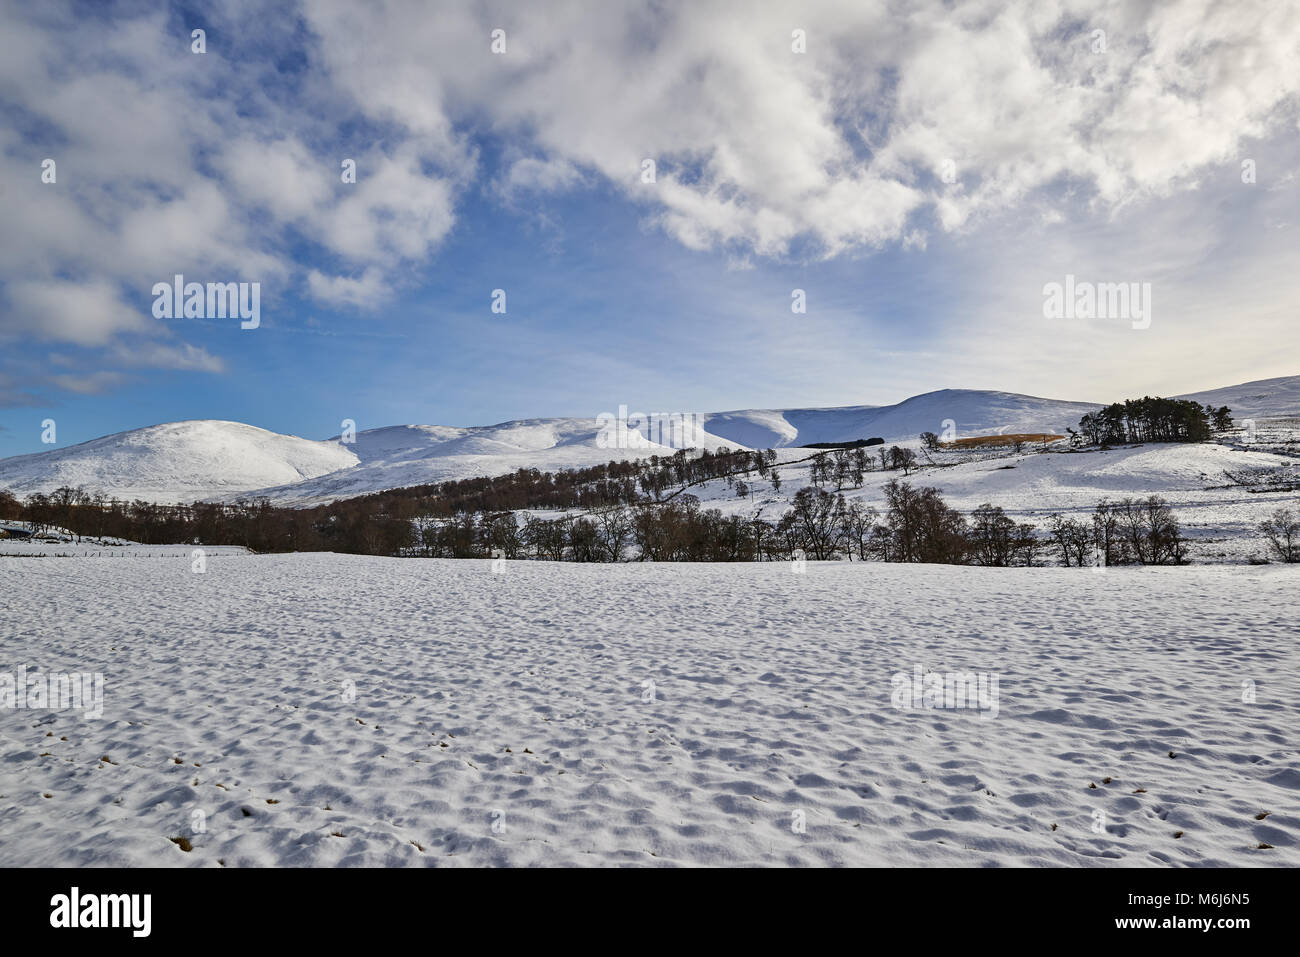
pixel 188 461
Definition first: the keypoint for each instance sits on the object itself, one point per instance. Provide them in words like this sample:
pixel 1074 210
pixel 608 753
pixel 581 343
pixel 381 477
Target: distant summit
pixel 208 459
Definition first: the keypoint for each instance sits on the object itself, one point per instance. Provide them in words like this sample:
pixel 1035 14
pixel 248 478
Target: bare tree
pixel 1282 529
pixel 901 458
pixel 1072 537
pixel 859 524
pixel 922 526
pixel 992 536
pixel 817 522
pixel 614 527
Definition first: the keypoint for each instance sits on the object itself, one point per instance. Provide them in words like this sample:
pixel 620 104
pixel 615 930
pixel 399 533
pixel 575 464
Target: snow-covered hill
pixel 971 412
pixel 1264 398
pixel 186 461
pixel 415 454
pixel 178 461
pixel 404 455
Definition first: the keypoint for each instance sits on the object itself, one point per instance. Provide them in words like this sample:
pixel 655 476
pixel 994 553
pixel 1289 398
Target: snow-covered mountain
pixel 972 412
pixel 415 454
pixel 177 461
pixel 186 461
pixel 1261 399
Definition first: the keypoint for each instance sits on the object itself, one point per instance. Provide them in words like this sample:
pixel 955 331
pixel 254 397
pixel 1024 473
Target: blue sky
pixel 520 171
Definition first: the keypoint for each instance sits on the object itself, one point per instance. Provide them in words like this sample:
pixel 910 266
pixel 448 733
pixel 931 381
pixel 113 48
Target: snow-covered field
pixel 329 710
pixel 75 547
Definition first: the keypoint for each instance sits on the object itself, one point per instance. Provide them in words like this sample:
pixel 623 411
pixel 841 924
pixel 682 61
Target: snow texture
pixel 505 718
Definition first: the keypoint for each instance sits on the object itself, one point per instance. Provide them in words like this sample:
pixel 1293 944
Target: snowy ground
pixel 503 718
pixel 94 548
pixel 60 543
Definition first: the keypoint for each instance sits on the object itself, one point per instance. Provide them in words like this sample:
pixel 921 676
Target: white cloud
pixel 366 291
pixel 89 383
pixel 393 212
pixel 185 357
pixel 758 146
pixel 84 313
pixel 279 176
pixel 531 174
pixel 171 162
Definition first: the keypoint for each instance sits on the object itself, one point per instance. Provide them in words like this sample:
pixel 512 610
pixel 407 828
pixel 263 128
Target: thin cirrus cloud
pixel 895 125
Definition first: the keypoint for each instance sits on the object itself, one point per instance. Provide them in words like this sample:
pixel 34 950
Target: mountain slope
pixel 1264 398
pixel 417 454
pixel 177 461
pixel 186 461
pixel 402 455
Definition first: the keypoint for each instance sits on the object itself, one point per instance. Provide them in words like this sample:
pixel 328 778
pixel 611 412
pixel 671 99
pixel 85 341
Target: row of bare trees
pixel 848 467
pixel 916 526
pixel 1130 531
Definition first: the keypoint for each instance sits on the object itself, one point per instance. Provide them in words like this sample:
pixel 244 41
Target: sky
pixel 921 171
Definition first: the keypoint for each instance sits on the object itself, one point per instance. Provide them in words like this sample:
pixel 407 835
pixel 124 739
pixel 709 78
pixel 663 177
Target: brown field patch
pixel 994 441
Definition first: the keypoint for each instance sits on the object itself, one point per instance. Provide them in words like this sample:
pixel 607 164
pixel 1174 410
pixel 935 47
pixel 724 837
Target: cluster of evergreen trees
pixel 1154 420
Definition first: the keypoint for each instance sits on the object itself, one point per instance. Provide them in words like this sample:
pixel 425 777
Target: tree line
pixel 916 526
pixel 1128 532
pixel 383 523
pixel 1153 420
pixel 628 516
